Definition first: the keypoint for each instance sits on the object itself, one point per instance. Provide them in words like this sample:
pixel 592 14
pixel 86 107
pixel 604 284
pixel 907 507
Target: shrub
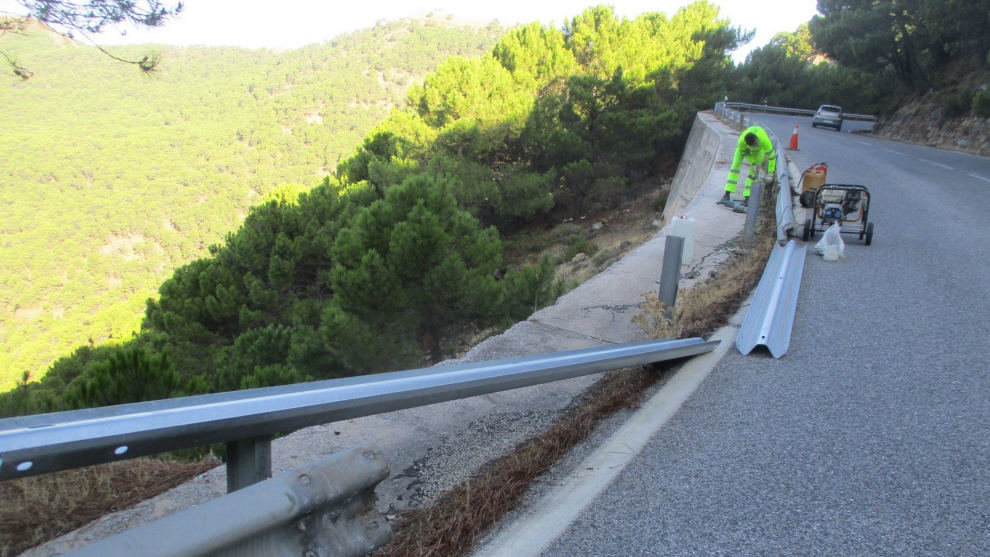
pixel 957 104
pixel 579 244
pixel 981 103
pixel 661 201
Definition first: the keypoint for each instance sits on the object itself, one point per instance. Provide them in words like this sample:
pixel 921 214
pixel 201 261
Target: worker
pixel 754 145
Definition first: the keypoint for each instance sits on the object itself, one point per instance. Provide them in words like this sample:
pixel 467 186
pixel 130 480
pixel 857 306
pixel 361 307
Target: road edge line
pixel 549 517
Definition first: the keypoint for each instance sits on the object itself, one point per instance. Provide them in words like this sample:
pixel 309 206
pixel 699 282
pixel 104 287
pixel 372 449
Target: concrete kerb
pixel 433 448
pixel 531 529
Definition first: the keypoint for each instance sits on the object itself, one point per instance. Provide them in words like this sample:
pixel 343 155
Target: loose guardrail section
pixel 323 508
pixel 771 315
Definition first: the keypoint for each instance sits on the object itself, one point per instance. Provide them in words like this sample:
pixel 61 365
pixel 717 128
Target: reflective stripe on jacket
pixel 754 155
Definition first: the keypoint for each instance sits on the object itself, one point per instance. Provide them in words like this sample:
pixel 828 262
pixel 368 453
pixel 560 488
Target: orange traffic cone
pixel 794 140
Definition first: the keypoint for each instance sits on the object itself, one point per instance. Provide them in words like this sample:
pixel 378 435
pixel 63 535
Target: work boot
pixel 725 200
pixel 741 206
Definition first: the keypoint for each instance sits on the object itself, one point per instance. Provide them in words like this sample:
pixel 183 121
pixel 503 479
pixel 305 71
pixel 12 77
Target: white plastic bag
pixel 831 247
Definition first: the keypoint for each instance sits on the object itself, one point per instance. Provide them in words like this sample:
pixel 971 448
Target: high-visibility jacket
pixel 753 155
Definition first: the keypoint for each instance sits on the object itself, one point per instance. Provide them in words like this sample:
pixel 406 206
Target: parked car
pixel 828 115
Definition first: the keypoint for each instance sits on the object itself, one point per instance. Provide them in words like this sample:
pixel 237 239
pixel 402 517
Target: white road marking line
pixel 977 176
pixel 546 519
pixel 940 165
pixel 893 151
pixel 863 143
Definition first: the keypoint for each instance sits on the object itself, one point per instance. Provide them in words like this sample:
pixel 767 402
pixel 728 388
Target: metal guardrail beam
pixel 796 111
pixel 771 315
pixel 783 208
pixel 57 441
pixel 324 508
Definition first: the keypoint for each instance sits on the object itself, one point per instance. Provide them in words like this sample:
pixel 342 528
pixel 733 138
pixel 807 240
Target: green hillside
pixel 110 180
pixel 397 253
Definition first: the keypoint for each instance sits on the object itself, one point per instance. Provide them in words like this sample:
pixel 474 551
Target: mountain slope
pixel 109 180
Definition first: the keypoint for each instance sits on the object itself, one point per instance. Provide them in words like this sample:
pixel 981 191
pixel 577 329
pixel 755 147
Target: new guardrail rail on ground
pixel 771 315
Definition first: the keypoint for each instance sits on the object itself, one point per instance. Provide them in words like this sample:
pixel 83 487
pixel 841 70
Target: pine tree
pixel 410 265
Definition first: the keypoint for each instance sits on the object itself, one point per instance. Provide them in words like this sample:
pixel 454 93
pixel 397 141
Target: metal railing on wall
pixel 786 110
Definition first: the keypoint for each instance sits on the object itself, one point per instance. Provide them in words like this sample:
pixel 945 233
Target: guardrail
pixel 797 111
pixel 246 420
pixel 319 509
pixel 324 508
pixel 771 314
pixel 770 317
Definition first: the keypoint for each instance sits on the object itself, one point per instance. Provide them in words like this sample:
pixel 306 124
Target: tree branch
pixel 66 17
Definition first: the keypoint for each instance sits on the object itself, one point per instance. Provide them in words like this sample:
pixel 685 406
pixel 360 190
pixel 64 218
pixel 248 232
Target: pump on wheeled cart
pixel 847 204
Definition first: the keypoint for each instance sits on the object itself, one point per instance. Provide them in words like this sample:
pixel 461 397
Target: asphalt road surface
pixel 871 436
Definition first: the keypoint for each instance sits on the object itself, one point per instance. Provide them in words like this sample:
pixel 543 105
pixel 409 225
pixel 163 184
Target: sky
pixel 287 24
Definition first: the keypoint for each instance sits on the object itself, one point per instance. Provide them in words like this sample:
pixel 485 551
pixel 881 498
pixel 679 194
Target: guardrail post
pixel 249 461
pixel 753 209
pixel 670 273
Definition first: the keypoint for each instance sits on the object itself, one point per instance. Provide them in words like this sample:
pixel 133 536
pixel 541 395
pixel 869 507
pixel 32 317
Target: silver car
pixel 828 115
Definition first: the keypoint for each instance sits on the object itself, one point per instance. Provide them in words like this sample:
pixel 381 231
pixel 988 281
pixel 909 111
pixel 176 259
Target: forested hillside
pixel 401 246
pixel 110 180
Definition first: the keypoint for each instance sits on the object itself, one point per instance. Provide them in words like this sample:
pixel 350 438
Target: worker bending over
pixel 754 144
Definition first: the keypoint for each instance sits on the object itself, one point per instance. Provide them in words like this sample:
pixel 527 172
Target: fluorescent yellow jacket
pixel 753 155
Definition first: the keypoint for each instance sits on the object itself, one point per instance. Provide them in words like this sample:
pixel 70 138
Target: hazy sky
pixel 283 24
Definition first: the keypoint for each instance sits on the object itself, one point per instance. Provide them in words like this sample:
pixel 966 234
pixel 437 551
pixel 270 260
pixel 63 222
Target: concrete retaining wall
pixel 694 167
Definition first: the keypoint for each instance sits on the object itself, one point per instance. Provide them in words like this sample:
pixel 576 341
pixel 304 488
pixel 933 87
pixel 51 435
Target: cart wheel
pixel 869 233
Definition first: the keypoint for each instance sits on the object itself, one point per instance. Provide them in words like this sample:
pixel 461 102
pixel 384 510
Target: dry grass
pixel 451 526
pixel 463 515
pixel 708 305
pixel 40 508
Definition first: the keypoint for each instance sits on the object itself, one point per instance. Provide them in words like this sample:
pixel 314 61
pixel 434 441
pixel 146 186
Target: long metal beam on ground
pixel 771 315
pixel 49 442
